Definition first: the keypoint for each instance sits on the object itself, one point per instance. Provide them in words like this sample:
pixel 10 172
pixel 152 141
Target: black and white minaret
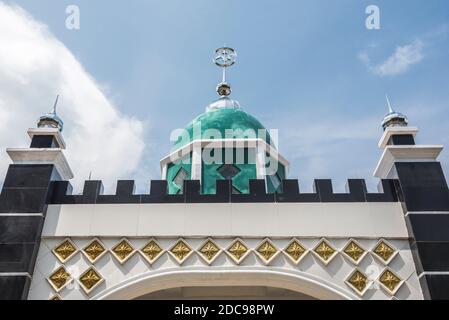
pixel 23 203
pixel 424 195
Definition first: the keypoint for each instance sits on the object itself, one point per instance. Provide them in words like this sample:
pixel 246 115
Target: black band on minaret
pixel 426 203
pixel 23 205
pixel 402 140
pixel 44 142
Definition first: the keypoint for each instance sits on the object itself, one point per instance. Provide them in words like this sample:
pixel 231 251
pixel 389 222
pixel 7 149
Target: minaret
pixel 424 194
pixel 24 198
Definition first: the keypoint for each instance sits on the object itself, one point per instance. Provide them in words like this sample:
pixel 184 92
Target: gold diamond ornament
pixel 267 251
pixel 90 279
pixel 123 251
pixel 384 251
pixel 238 250
pixel 354 251
pixel 210 251
pixel 325 251
pixel 151 251
pixel 59 279
pixel 181 251
pixel 295 251
pixel 390 281
pixel 94 250
pixel 65 250
pixel 358 281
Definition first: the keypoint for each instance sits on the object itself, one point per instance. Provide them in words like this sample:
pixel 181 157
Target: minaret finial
pixel 55 105
pixel 390 109
pixel 51 119
pixel 393 118
pixel 225 57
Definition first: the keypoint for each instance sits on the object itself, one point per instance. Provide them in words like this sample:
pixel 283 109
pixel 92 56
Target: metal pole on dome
pixel 224 57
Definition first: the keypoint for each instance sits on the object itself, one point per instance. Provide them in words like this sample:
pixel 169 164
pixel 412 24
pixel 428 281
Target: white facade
pixel 274 224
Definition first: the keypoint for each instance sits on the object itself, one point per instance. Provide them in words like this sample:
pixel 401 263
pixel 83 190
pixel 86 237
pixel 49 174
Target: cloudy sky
pixel 136 70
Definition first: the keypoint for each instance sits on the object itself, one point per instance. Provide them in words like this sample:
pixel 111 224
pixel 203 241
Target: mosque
pixel 225 221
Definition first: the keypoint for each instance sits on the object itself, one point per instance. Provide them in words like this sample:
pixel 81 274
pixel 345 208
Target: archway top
pixel 151 282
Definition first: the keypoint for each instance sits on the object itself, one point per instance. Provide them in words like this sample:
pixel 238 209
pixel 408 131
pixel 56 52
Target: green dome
pixel 222 120
pixel 241 170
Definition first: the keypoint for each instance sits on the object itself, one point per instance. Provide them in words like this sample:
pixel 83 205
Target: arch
pixel 202 277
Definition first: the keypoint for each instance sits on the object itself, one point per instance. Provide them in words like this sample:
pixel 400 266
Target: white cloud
pixel 34 67
pixel 399 62
pixel 364 57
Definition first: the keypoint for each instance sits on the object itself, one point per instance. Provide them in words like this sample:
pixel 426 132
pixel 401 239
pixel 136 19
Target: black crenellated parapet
pixel 323 192
pixel 125 193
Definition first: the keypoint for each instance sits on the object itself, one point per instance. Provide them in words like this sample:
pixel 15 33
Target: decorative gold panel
pixel 354 251
pixel 358 281
pixel 94 250
pixel 325 251
pixel 267 251
pixel 238 250
pixel 384 251
pixel 390 281
pixel 59 279
pixel 295 251
pixel 90 279
pixel 209 251
pixel 181 251
pixel 152 251
pixel 56 297
pixel 65 250
pixel 123 251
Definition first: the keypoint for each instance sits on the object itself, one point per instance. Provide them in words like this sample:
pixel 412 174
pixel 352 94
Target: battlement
pixel 61 193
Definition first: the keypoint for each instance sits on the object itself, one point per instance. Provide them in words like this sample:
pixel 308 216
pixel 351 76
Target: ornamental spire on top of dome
pixel 224 57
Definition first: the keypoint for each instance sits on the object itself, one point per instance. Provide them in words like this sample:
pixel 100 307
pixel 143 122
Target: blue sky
pixel 308 68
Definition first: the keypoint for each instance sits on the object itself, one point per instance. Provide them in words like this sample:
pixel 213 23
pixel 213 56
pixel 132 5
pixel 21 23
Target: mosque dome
pixel 223 123
pixel 224 120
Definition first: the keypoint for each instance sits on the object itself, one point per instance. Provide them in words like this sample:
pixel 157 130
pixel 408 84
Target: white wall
pixel 309 223
pixel 369 220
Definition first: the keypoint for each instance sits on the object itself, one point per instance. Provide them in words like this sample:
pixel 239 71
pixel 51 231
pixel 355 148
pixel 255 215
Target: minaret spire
pixel 393 118
pixel 390 109
pixel 55 105
pixel 51 119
